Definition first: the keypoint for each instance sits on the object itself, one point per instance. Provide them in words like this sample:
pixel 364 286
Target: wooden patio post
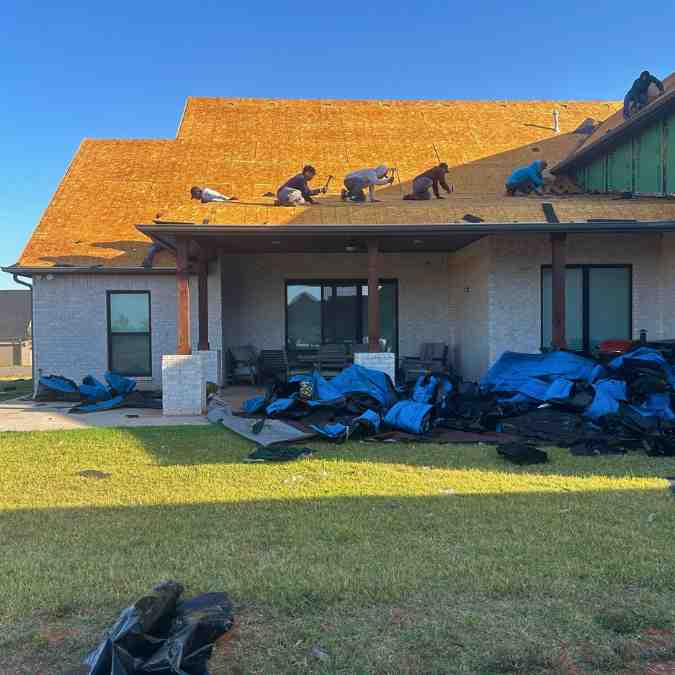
pixel 558 259
pixel 203 313
pixel 182 296
pixel 373 297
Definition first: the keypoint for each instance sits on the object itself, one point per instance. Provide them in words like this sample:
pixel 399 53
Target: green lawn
pixel 13 388
pixel 364 558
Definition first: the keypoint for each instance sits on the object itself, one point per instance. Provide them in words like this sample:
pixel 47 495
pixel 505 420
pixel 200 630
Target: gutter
pixel 29 271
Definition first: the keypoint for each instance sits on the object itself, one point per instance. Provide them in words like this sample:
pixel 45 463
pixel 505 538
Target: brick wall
pixel 70 320
pixel 254 294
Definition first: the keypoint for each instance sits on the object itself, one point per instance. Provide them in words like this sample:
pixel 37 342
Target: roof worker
pixel 357 181
pixel 423 184
pixel 296 191
pixel 208 195
pixel 527 179
pixel 638 95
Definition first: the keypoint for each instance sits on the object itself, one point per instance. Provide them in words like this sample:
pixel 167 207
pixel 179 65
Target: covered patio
pixel 196 246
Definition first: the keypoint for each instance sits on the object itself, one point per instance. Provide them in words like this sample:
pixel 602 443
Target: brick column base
pixel 183 385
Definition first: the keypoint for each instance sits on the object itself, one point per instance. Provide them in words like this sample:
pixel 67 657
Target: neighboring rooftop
pixel 248 147
pixel 15 315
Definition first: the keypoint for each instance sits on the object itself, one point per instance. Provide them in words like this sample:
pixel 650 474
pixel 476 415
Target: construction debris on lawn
pixel 94 396
pixel 557 398
pixel 161 634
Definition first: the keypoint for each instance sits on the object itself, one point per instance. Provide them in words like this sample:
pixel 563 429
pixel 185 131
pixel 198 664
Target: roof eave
pixel 654 112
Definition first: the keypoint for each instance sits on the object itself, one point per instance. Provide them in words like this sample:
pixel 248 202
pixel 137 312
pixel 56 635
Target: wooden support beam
pixel 559 261
pixel 203 313
pixel 182 297
pixel 373 297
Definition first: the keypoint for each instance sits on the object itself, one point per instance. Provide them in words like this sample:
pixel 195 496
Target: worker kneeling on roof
pixel 638 95
pixel 423 184
pixel 296 191
pixel 205 195
pixel 357 181
pixel 527 179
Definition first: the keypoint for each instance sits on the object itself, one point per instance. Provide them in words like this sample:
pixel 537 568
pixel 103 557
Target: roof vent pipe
pixel 556 121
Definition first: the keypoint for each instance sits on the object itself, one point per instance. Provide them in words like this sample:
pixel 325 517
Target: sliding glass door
pixel 597 305
pixel 336 312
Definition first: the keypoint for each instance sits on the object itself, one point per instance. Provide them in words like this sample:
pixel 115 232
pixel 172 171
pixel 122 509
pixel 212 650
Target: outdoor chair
pixel 242 362
pixel 332 358
pixel 433 356
pixel 273 363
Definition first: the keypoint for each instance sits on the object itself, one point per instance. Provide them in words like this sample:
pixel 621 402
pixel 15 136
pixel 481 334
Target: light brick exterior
pixel 482 300
pixel 184 384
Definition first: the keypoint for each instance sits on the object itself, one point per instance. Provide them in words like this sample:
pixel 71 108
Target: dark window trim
pixel 585 299
pixel 109 294
pixel 340 282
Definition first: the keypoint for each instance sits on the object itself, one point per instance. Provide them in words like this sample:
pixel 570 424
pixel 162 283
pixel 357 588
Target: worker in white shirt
pixel 205 195
pixel 357 181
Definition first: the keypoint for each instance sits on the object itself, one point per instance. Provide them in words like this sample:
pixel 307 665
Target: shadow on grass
pixel 214 445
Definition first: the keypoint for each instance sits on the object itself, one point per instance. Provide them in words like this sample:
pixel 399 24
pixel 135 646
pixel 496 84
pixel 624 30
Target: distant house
pixel 15 328
pixel 572 268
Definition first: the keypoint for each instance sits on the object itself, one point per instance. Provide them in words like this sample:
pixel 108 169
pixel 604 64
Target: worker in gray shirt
pixel 357 181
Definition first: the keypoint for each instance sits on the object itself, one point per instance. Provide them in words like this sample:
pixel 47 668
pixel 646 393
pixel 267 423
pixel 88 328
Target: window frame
pixel 109 295
pixel 585 300
pixel 359 283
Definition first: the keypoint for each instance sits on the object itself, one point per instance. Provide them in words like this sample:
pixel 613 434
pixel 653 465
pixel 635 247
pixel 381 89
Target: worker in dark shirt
pixel 431 179
pixel 296 191
pixel 638 95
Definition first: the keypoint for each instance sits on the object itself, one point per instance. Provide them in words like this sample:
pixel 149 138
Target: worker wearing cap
pixel 296 191
pixel 431 179
pixel 638 95
pixel 357 181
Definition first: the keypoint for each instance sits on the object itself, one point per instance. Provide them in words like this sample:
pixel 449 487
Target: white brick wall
pixel 70 320
pixel 254 294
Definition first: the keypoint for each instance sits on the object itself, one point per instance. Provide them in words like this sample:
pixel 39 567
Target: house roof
pixel 15 314
pixel 248 147
pixel 615 129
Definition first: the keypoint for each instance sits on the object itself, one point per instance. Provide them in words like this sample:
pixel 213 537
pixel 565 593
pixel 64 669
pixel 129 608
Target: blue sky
pixel 123 69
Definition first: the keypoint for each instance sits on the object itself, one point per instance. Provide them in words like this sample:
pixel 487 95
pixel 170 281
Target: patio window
pixel 336 312
pixel 129 349
pixel 597 305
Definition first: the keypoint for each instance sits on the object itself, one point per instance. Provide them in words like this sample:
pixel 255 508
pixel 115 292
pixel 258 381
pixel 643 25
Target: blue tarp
pixel 59 384
pixel 335 431
pixel 359 380
pixel 425 389
pixel 254 405
pixel 120 384
pixel 415 418
pixel 93 390
pixel 513 371
pixel 324 393
pixel 656 405
pixel 367 423
pixel 648 355
pixel 608 395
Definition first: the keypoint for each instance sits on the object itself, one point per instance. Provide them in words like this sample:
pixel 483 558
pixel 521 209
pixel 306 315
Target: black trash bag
pixel 157 629
pixel 198 624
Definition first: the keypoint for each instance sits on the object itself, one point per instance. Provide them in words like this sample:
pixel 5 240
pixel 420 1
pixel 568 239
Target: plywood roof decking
pixel 250 146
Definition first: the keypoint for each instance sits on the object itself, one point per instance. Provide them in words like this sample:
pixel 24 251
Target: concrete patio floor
pixel 28 415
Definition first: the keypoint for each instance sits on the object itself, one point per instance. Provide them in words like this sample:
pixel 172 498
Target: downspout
pixel 33 352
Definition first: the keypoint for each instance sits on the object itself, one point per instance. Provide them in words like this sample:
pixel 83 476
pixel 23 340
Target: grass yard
pixel 11 387
pixel 364 558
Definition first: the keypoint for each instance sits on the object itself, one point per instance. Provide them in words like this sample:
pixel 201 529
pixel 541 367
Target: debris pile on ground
pixel 161 634
pixel 94 396
pixel 556 398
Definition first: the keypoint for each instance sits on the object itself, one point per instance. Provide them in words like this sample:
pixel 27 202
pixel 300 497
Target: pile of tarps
pixel 558 398
pixel 94 396
pixel 162 634
pixel 358 402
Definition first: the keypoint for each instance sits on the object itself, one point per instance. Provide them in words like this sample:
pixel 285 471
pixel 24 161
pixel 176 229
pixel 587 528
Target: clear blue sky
pixel 123 69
